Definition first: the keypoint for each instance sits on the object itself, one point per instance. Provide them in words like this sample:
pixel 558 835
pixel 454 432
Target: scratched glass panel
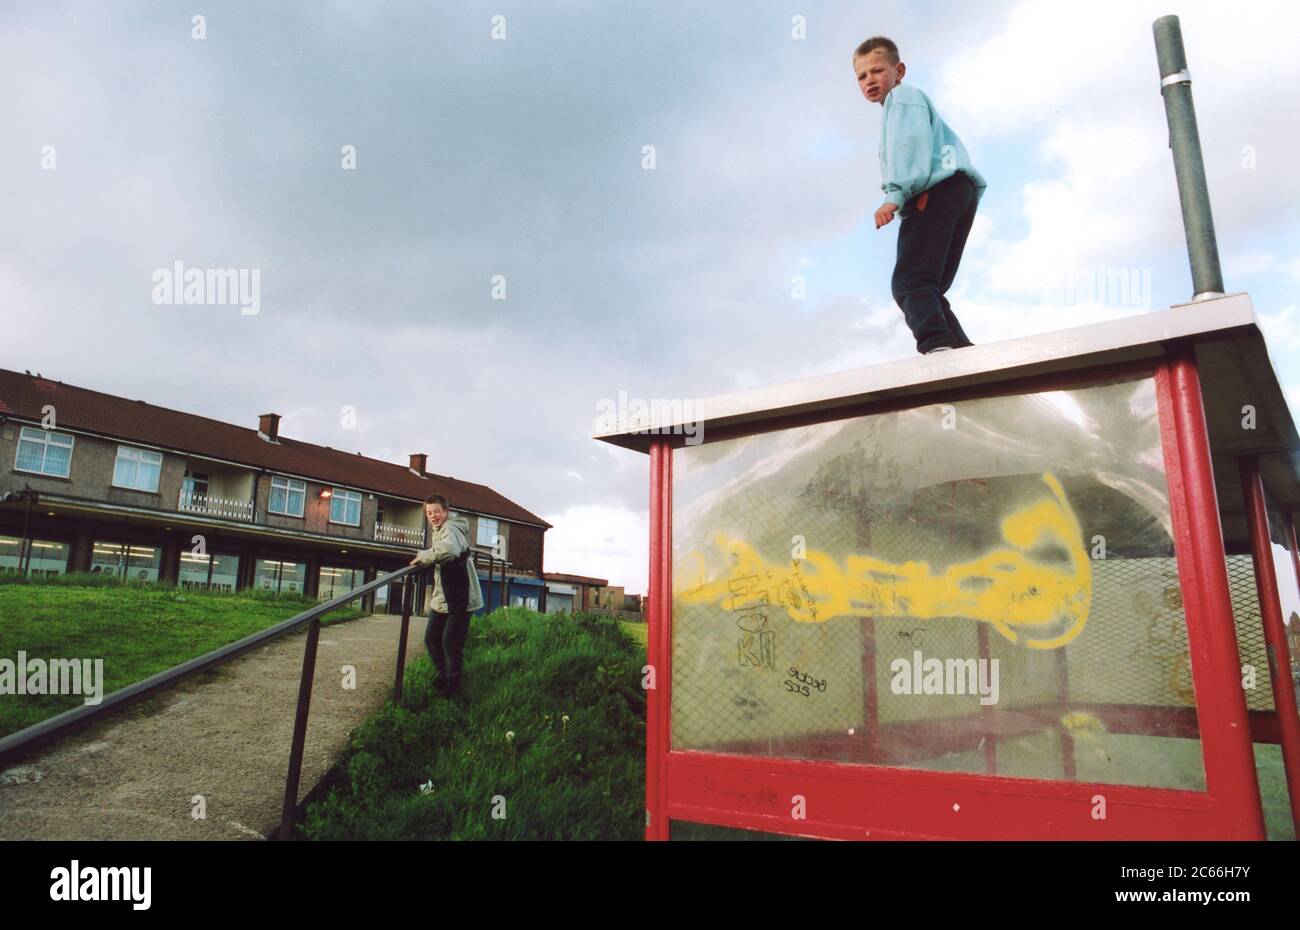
pixel 1256 678
pixel 986 586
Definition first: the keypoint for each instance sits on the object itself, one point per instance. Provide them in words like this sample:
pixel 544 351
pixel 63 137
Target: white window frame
pixel 139 457
pixel 289 490
pixel 45 440
pixel 345 495
pixel 478 532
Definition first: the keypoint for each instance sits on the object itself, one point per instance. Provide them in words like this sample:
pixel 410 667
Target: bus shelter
pixel 1044 588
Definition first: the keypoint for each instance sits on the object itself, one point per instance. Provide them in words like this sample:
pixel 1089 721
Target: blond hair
pixel 878 43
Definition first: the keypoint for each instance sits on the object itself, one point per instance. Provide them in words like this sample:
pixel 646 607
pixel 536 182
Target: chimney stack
pixel 268 424
pixel 419 462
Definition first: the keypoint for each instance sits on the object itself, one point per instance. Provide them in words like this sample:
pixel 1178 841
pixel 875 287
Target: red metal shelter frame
pixel 1270 609
pixel 858 801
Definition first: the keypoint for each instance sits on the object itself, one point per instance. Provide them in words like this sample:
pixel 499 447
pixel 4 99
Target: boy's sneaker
pixel 940 349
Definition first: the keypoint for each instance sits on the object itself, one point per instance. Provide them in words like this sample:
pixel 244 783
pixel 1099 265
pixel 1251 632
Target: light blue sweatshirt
pixel 917 149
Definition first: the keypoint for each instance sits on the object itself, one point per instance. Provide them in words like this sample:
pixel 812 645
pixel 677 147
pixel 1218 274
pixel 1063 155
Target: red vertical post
pixel 1270 611
pixel 1295 552
pixel 870 698
pixel 1226 748
pixel 1069 764
pixel 986 710
pixel 659 640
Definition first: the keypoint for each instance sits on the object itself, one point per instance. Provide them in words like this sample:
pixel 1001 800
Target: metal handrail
pixel 61 725
pixel 65 723
pixel 309 675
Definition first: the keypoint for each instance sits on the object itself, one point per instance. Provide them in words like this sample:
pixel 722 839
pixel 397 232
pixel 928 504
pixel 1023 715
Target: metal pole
pixel 407 589
pixel 1189 167
pixel 25 546
pixel 299 731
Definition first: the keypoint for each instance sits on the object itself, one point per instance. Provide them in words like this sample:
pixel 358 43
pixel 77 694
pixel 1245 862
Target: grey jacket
pixel 446 543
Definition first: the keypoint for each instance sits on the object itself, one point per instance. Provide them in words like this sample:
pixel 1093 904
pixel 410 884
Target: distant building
pixel 570 593
pixel 608 597
pixel 97 483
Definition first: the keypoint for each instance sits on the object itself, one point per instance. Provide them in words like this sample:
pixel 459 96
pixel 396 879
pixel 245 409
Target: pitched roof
pixel 24 396
pixel 575 579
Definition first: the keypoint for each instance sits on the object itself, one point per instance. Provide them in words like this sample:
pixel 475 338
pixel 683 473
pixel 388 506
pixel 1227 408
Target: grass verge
pixel 550 743
pixel 137 629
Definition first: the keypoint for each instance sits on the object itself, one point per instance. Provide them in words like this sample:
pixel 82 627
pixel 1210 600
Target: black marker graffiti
pixel 756 646
pixel 803 683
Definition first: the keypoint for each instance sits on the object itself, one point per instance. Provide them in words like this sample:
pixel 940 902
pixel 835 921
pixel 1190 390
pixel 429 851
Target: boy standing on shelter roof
pixel 929 180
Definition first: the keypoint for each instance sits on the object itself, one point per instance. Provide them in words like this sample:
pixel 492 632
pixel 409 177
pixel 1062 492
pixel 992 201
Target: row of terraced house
pixel 91 482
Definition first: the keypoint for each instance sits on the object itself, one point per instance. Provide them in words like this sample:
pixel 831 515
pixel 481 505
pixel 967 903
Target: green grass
pixel 638 631
pixel 137 629
pixel 583 778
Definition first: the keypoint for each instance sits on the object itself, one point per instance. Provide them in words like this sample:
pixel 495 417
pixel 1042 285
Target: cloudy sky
pixel 520 157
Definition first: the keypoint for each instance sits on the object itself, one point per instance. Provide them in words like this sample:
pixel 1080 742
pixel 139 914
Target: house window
pixel 44 452
pixel 281 577
pixel 132 563
pixel 287 496
pixel 194 489
pixel 487 531
pixel 345 507
pixel 137 469
pixel 210 572
pixel 337 581
pixel 44 559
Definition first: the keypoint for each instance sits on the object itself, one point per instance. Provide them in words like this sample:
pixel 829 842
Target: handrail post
pixel 299 731
pixel 401 640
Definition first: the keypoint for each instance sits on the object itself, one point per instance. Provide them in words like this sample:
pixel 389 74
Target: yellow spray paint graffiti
pixel 1007 588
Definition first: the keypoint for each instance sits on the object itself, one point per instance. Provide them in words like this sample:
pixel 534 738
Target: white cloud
pixel 1281 330
pixel 609 542
pixel 1080 85
pixel 1292 395
pixel 1246 264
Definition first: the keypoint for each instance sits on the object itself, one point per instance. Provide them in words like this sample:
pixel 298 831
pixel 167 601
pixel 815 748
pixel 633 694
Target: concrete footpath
pixel 217 743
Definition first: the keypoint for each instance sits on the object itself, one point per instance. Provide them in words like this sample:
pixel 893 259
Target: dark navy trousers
pixel 930 243
pixel 445 639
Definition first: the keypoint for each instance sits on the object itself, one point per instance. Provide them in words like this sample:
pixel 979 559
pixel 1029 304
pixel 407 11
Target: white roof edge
pixel 1129 338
